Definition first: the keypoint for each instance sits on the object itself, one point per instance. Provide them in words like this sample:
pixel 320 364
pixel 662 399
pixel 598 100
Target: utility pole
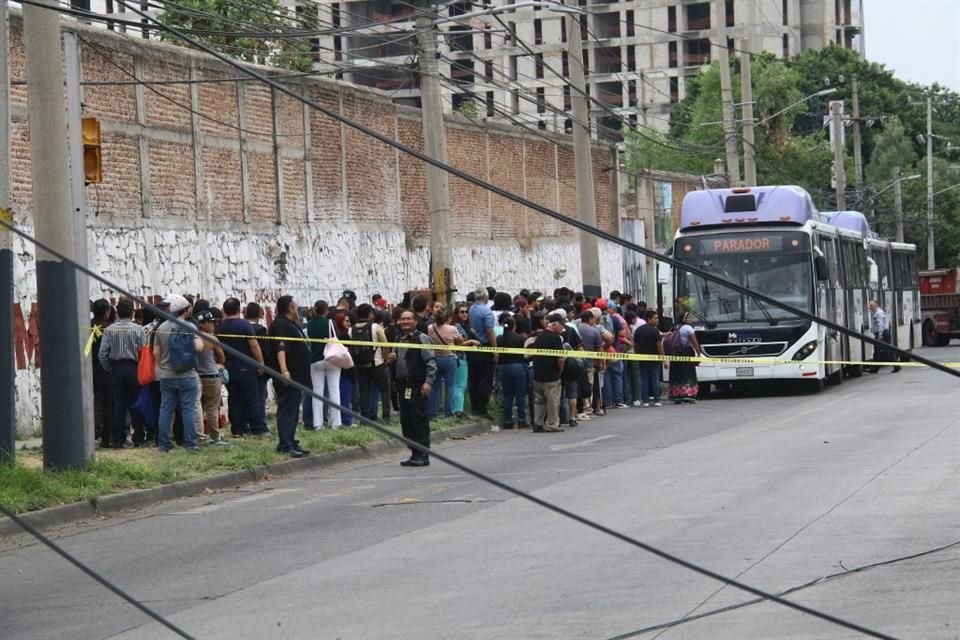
pixel 836 111
pixel 8 415
pixel 435 146
pixel 898 202
pixel 746 96
pixel 931 259
pixel 643 97
pixel 857 151
pixel 726 95
pixel 586 208
pixel 65 444
pixel 78 195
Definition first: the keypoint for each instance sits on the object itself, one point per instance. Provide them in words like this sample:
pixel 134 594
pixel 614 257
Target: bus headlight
pixel 805 350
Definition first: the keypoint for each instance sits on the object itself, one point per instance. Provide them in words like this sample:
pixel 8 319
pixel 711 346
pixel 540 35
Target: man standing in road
pixel 547 371
pixel 293 361
pixel 880 327
pixel 415 373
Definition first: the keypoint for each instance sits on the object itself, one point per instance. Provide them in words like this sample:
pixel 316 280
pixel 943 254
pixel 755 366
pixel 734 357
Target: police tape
pixel 589 355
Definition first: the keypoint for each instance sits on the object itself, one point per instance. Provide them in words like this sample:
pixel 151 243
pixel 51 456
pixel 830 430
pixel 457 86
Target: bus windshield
pixel 774 264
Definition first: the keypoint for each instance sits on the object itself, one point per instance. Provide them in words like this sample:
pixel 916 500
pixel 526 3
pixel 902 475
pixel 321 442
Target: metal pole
pixel 643 97
pixel 61 374
pixel 435 145
pixel 931 258
pixel 726 95
pixel 8 414
pixel 78 194
pixel 586 207
pixel 838 168
pixel 746 95
pixel 857 151
pixel 898 202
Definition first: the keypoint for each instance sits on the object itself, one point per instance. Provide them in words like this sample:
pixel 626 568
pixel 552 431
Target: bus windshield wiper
pixel 773 322
pixel 710 324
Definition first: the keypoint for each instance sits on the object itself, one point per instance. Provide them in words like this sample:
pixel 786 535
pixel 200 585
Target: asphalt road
pixel 850 497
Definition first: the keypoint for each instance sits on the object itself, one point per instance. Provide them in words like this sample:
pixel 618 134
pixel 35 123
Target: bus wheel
pixel 836 378
pixel 815 386
pixel 855 370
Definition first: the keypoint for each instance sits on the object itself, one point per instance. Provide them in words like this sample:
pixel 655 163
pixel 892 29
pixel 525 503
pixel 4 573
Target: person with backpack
pixel 369 369
pixel 682 341
pixel 175 350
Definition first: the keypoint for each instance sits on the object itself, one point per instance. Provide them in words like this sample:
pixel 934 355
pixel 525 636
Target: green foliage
pixel 222 24
pixel 792 145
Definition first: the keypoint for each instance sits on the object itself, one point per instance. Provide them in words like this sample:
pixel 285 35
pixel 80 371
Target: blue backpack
pixel 182 354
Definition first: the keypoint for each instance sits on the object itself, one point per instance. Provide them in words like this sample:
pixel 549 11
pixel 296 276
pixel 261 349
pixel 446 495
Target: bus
pixel 774 240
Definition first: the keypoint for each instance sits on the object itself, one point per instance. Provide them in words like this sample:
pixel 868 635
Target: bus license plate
pixel 744 372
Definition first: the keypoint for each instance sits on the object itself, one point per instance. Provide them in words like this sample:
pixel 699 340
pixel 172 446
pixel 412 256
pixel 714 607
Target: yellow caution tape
pixel 95 332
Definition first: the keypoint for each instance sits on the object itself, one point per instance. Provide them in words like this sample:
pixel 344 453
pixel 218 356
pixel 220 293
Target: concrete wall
pixel 228 188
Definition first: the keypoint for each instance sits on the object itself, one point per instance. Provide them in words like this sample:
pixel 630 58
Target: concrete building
pixel 639 54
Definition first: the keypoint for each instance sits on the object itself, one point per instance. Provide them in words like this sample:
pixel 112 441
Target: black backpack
pixel 362 355
pixel 267 347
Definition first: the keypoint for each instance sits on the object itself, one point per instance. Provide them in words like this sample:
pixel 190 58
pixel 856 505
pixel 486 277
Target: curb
pixel 140 498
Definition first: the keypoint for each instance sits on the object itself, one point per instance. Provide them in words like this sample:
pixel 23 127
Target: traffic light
pixel 92 167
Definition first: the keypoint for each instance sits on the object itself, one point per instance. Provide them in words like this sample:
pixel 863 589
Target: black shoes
pixel 895 370
pixel 295 452
pixel 522 425
pixel 415 461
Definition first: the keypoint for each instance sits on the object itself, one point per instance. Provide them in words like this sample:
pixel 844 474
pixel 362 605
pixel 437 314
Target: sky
pixel 918 39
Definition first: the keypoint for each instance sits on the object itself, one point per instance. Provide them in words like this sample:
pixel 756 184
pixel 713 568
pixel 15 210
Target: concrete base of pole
pixel 8 422
pixel 66 445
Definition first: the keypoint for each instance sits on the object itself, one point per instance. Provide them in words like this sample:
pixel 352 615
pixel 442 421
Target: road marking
pixel 582 443
pixel 254 497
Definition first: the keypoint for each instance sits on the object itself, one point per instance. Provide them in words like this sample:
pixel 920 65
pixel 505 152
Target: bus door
pixel 831 305
pixel 854 263
pixel 903 315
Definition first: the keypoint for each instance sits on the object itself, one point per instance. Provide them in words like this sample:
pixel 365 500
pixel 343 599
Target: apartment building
pixel 507 60
pixel 638 54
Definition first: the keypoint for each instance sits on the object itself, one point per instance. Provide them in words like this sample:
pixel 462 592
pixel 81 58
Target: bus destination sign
pixel 742 244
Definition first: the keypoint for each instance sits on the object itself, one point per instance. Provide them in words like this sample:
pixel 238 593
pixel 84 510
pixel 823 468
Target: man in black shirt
pixel 648 341
pixel 415 372
pixel 546 377
pixel 243 394
pixel 293 360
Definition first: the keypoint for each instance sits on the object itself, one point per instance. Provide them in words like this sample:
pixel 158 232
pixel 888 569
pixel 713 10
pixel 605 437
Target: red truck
pixel 939 306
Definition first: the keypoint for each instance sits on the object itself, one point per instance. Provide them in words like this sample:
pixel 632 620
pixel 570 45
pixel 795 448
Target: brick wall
pixel 223 187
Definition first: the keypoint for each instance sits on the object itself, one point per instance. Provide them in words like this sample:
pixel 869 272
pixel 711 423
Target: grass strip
pixel 27 487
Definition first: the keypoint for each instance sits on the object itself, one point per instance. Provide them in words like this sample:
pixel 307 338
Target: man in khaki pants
pixel 209 364
pixel 547 371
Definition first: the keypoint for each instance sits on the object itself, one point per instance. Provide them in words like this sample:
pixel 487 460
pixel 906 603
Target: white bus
pixel 773 240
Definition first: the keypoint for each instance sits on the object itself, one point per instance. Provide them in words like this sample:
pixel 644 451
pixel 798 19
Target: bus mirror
pixel 820 264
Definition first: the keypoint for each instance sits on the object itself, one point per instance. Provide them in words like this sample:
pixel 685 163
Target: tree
pixel 224 25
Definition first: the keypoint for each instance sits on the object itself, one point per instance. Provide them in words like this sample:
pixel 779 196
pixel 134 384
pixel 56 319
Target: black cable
pixel 470 178
pixel 806 585
pixel 26 526
pixel 187 326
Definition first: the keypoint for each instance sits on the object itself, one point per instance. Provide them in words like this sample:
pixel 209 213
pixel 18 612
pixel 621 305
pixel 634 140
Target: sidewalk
pixel 138 499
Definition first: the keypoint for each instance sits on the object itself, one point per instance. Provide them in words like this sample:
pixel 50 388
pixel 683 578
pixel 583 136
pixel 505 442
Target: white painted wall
pixel 159 256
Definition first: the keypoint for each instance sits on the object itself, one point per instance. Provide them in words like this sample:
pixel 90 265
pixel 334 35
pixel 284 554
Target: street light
pixel 894 183
pixel 818 94
pixel 956 186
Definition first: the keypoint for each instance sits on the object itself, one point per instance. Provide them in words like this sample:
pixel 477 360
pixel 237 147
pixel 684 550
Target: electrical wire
pixel 549 212
pixel 63 553
pixel 546 504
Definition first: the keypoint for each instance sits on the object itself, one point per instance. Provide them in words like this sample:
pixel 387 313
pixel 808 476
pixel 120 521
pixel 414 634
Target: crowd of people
pixel 417 360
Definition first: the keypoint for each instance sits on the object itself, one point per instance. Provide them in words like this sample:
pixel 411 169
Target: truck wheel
pixel 929 334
